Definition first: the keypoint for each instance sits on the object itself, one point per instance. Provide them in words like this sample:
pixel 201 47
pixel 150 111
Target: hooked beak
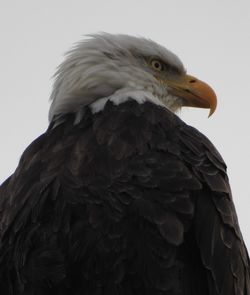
pixel 194 92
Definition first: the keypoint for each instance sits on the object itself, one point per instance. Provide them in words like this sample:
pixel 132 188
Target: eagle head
pixel 117 67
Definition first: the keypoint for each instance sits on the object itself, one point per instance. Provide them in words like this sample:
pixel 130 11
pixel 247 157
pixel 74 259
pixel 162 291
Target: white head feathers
pixel 104 64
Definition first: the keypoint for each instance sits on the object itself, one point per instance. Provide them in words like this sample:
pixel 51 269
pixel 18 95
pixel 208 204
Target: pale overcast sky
pixel 211 37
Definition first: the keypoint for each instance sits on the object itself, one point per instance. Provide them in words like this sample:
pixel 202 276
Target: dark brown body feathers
pixel 130 200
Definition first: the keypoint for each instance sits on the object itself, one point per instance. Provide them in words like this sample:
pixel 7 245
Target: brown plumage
pixel 130 200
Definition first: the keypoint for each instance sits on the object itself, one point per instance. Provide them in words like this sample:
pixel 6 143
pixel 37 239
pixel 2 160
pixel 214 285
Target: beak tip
pixel 212 110
pixel 213 105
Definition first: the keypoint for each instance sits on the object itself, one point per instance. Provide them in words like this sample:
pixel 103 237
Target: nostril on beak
pixel 192 81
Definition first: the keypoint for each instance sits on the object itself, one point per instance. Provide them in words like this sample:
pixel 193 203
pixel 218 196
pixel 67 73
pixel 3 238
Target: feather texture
pixel 130 200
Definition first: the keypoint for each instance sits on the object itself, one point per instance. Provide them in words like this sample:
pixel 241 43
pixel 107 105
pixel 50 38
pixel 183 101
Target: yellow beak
pixel 195 93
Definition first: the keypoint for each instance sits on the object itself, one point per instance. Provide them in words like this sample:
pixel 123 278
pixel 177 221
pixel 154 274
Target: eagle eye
pixel 157 65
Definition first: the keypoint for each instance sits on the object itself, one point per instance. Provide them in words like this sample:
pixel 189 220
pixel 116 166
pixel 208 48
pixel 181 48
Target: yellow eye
pixel 156 65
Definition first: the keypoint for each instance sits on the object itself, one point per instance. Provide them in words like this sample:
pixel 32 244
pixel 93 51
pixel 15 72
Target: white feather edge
pixel 122 96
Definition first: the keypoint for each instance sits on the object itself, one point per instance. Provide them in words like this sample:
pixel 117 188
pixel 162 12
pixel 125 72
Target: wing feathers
pixel 126 201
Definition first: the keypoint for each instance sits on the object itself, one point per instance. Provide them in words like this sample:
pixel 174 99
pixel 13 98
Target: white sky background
pixel 211 37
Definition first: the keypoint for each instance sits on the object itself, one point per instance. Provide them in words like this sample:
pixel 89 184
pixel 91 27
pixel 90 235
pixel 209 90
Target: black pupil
pixel 157 65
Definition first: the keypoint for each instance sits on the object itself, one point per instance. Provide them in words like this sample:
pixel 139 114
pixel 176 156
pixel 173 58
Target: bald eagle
pixel 119 196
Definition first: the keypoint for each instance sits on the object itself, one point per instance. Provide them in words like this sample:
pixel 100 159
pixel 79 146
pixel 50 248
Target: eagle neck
pixel 123 95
